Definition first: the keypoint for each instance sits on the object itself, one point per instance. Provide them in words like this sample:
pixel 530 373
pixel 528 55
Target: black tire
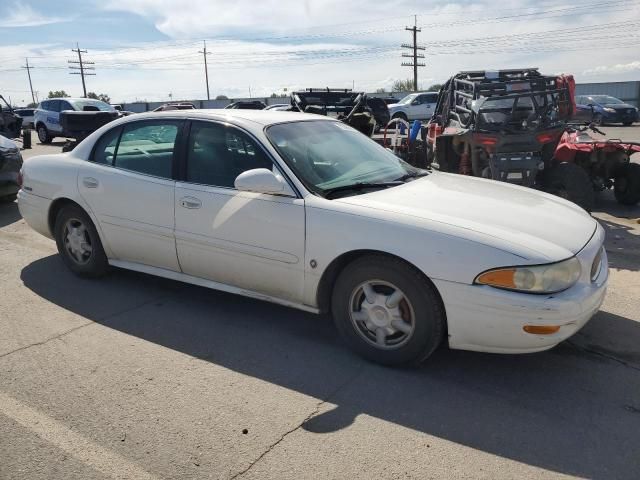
pixel 626 184
pixel 569 181
pixel 420 302
pixel 93 264
pixel 400 115
pixel 43 134
pixel 598 119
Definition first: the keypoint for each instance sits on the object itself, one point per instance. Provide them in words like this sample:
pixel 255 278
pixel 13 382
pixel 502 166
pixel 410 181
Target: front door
pixel 247 240
pixel 130 188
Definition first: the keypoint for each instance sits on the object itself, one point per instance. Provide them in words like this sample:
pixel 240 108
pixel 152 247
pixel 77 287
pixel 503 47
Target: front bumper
pixel 487 319
pixel 621 117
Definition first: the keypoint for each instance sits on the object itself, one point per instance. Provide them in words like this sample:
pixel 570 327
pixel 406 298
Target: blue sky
pixel 147 49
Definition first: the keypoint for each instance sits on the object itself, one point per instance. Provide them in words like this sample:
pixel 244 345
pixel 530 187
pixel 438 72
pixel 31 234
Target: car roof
pixel 261 117
pixel 73 99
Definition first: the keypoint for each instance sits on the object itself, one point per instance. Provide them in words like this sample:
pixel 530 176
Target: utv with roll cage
pixel 505 125
pixel 365 114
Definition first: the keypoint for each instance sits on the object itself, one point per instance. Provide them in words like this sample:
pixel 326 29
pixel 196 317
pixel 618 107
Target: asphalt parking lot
pixel 133 376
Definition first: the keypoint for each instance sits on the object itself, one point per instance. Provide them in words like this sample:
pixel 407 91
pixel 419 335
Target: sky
pixel 151 49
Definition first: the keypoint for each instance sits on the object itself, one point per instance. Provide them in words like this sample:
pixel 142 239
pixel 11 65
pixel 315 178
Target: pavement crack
pixel 55 337
pixel 71 330
pixel 598 353
pixel 297 427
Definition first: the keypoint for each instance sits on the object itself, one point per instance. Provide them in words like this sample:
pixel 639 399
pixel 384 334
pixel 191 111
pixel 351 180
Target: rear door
pixel 129 185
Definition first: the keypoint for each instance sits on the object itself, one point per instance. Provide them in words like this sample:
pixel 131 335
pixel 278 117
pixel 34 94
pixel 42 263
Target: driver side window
pixel 217 154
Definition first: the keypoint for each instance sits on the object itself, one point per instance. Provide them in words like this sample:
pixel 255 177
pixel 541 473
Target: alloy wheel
pixel 382 314
pixel 77 241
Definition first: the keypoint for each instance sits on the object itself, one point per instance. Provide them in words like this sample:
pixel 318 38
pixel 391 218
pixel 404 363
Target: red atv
pixel 505 126
pixel 608 163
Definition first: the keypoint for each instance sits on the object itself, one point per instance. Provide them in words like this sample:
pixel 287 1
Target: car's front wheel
pixel 387 311
pixel 400 115
pixel 43 134
pixel 79 244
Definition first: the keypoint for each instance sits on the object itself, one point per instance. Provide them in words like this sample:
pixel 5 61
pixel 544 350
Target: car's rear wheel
pixel 598 119
pixel 387 311
pixel 43 134
pixel 626 184
pixel 569 181
pixel 79 244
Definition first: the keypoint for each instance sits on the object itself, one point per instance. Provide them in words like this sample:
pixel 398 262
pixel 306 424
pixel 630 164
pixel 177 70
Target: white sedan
pixel 306 212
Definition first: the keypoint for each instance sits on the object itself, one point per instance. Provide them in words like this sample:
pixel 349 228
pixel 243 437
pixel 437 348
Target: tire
pixel 9 198
pixel 43 134
pixel 400 115
pixel 598 119
pixel 419 311
pixel 569 181
pixel 626 184
pixel 91 264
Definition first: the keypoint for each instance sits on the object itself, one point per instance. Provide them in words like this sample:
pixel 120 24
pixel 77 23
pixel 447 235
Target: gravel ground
pixel 133 376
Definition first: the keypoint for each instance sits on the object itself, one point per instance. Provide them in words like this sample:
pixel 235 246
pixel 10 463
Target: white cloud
pixel 23 15
pixel 613 69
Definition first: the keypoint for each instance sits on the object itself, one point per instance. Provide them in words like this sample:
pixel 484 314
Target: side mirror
pixel 262 180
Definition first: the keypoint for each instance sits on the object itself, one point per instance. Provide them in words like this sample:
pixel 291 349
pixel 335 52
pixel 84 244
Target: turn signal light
pixel 541 329
pixel 504 278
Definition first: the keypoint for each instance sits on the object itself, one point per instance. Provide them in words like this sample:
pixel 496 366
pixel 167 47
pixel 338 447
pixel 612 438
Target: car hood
pixel 528 223
pixel 393 105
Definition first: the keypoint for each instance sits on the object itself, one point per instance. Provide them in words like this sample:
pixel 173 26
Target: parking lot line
pixel 80 447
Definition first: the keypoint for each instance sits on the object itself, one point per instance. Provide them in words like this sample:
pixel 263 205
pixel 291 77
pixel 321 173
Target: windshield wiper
pixel 410 175
pixel 360 186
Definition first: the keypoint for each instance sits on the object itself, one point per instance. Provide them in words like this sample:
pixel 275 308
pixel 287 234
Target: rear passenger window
pixel 105 150
pixel 148 148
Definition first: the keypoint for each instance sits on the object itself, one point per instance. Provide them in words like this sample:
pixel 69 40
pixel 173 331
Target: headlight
pixel 550 278
pixel 610 110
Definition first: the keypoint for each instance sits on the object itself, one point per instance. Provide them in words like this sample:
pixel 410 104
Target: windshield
pixel 326 155
pixel 605 99
pixel 103 107
pixel 408 99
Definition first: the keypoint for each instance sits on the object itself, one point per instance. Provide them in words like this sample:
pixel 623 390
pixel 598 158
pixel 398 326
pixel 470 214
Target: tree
pixel 58 94
pixel 435 87
pixel 222 97
pixel 274 95
pixel 101 96
pixel 381 90
pixel 403 86
pixel 32 105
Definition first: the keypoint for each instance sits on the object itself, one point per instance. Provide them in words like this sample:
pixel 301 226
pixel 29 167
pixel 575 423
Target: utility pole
pixel 415 47
pixel 206 70
pixel 28 67
pixel 83 69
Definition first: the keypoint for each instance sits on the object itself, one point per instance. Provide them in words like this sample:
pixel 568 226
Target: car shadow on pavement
pixel 9 213
pixel 573 410
pixel 622 243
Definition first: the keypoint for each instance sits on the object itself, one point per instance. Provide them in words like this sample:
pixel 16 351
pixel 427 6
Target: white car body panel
pixel 277 248
pixel 138 220
pixel 249 240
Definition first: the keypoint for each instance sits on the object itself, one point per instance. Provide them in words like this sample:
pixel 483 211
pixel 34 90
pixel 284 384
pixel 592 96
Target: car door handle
pixel 90 182
pixel 190 202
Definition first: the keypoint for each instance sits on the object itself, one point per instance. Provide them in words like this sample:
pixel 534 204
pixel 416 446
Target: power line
pixel 28 67
pixel 82 67
pixel 415 47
